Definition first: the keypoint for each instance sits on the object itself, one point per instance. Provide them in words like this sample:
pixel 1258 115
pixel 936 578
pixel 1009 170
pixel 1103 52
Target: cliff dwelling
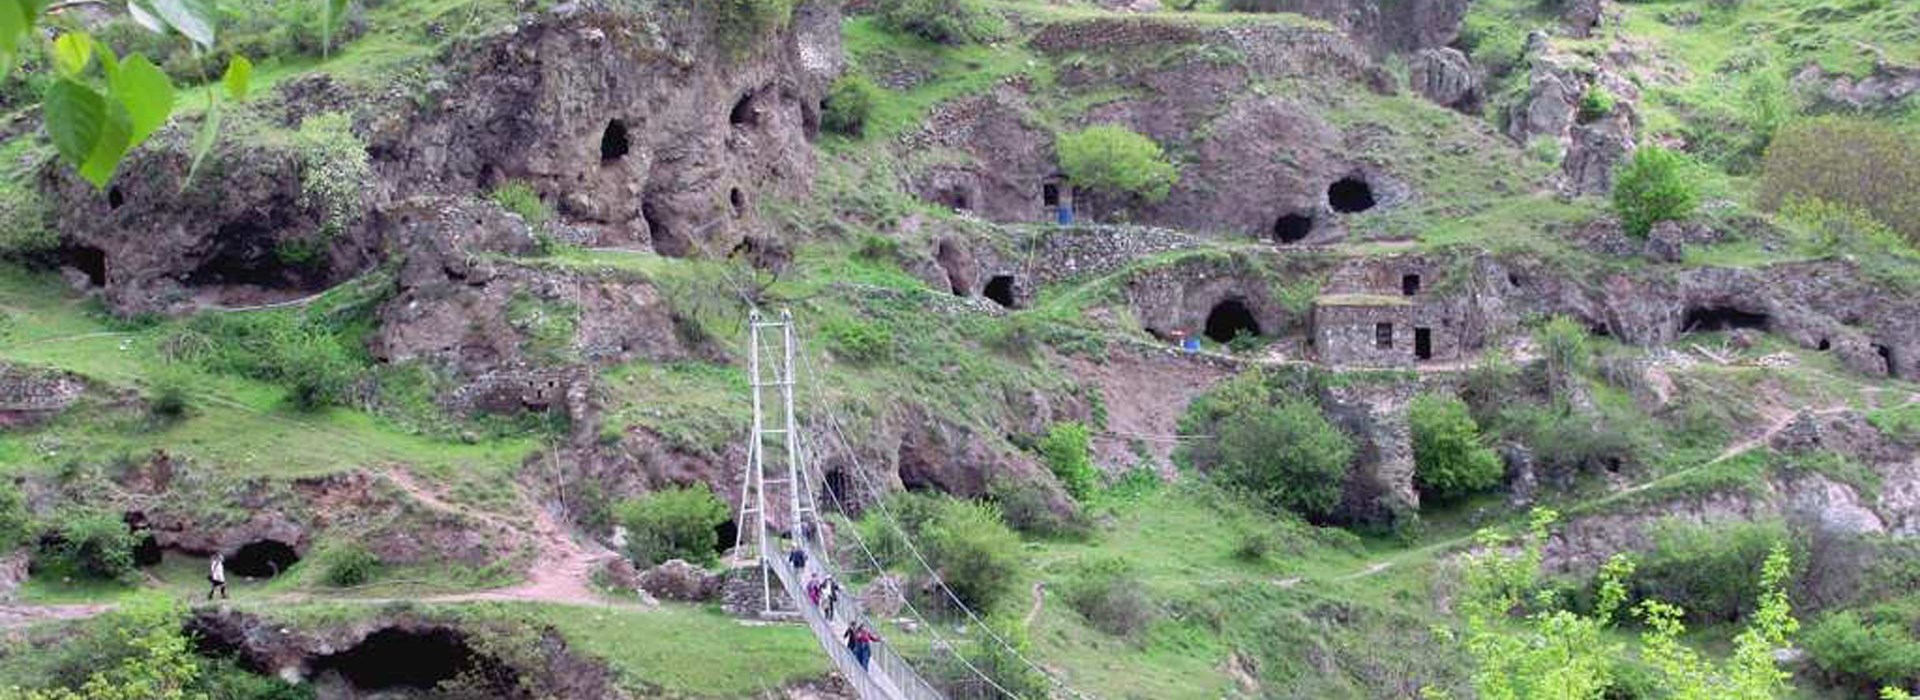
pixel 1229 319
pixel 1001 290
pixel 613 141
pixel 1292 228
pixel 1350 195
pixel 1708 319
pixel 263 559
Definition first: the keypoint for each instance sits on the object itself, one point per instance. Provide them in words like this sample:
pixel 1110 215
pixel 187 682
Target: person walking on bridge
pixel 860 641
pixel 798 558
pixel 833 596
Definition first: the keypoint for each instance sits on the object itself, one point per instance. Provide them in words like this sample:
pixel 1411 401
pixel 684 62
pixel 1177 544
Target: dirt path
pixel 17 616
pixel 1039 602
pixel 562 569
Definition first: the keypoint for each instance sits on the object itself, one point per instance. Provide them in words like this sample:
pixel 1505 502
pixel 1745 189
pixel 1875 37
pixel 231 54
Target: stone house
pixel 1378 316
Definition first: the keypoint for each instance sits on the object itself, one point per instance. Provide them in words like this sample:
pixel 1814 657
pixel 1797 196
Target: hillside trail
pixel 1039 602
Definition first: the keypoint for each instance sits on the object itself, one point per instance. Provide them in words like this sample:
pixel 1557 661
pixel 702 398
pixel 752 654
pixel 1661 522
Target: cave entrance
pixel 1292 228
pixel 613 141
pixel 1409 285
pixel 1887 356
pixel 665 242
pixel 115 198
pixel 724 535
pixel 1707 319
pixel 88 260
pixel 839 488
pixel 393 659
pixel 147 552
pixel 246 253
pixel 1229 319
pixel 1050 194
pixel 1423 343
pixel 1825 345
pixel 263 559
pixel 954 198
pixel 743 113
pixel 954 261
pixel 1000 290
pixel 1350 195
pixel 739 201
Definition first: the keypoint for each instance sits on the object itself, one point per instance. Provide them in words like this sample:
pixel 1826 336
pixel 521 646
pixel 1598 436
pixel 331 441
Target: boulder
pixel 13 573
pixel 883 597
pixel 1580 17
pixel 1445 77
pixel 678 580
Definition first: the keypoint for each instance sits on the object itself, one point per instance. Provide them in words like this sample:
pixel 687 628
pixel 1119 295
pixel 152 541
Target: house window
pixel 1409 284
pixel 1383 336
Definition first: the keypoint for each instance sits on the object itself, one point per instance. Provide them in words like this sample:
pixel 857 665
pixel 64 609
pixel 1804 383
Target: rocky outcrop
pixel 678 580
pixel 1580 17
pixel 28 395
pixel 1445 77
pixel 1379 489
pixel 1886 87
pixel 1384 26
pixel 1552 108
pixel 13 573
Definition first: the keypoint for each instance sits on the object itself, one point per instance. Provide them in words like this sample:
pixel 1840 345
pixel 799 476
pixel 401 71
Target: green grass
pixel 682 651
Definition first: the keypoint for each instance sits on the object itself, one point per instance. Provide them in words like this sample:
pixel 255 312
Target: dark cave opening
pixel 954 198
pixel 665 242
pixel 115 197
pixel 87 259
pixel 743 113
pixel 246 252
pixel 1409 285
pixel 263 559
pixel 839 488
pixel 395 658
pixel 724 536
pixel 1292 228
pixel 1887 356
pixel 1050 194
pixel 1423 343
pixel 147 552
pixel 1825 345
pixel 1000 290
pixel 1229 319
pixel 1707 319
pixel 1349 195
pixel 1383 336
pixel 613 141
pixel 739 201
pixel 953 261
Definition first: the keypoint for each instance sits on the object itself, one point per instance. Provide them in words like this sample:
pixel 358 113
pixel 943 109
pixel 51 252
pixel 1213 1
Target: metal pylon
pixel 783 461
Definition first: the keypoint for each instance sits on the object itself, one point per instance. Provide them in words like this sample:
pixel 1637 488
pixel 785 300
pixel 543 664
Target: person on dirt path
pixel 798 558
pixel 833 596
pixel 860 641
pixel 217 576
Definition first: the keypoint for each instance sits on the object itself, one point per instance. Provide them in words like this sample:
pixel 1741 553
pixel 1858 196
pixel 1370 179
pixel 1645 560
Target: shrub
pixel 973 551
pixel 1824 159
pixel 96 544
pixel 170 395
pixel 1568 354
pixel 1449 458
pixel 1286 456
pixel 848 105
pixel 675 523
pixel 520 198
pixel 1564 442
pixel 16 522
pixel 1067 455
pixel 1254 546
pixel 348 565
pixel 1106 592
pixel 942 21
pixel 135 651
pixel 1867 649
pixel 1027 509
pixel 859 341
pixel 1653 187
pixel 24 232
pixel 741 21
pixel 1116 160
pixel 333 170
pixel 288 349
pixel 1597 103
pixel 1708 570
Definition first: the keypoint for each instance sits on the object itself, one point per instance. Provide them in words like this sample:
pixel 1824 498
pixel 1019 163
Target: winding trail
pixel 1039 602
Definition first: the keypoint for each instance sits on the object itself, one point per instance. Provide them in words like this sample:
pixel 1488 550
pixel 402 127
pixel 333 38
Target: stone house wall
pixel 1347 331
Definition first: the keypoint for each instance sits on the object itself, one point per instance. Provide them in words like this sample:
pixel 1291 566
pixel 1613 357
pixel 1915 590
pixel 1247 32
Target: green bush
pixel 975 553
pixel 1286 456
pixel 348 565
pixel 288 349
pixel 1597 103
pixel 134 651
pixel 1708 569
pixel 1066 452
pixel 942 21
pixel 520 198
pixel 1449 458
pixel 1564 442
pixel 859 341
pixel 675 523
pixel 1109 596
pixel 849 104
pixel 24 232
pixel 1027 509
pixel 1653 187
pixel 1568 353
pixel 1116 160
pixel 1824 159
pixel 95 544
pixel 171 393
pixel 740 22
pixel 1864 650
pixel 334 172
pixel 16 522
pixel 1254 546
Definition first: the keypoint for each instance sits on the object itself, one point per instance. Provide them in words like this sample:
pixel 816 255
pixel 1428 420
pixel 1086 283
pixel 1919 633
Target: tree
pixel 972 550
pixel 1067 455
pixel 1859 162
pixel 675 523
pixel 96 544
pixel 849 104
pixel 1117 160
pixel 1449 458
pixel 149 658
pixel 1653 188
pixel 941 21
pixel 1287 456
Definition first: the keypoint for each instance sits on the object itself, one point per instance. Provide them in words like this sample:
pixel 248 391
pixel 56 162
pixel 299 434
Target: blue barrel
pixel 1064 213
pixel 1192 345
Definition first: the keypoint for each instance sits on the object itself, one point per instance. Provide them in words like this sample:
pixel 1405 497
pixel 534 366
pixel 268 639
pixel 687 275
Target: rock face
pixel 1380 487
pixel 638 128
pixel 13 572
pixel 1446 77
pixel 678 580
pixel 29 396
pixel 1384 26
pixel 1886 87
pixel 1557 82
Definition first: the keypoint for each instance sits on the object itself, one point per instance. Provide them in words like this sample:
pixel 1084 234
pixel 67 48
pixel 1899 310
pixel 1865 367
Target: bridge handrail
pixel 888 676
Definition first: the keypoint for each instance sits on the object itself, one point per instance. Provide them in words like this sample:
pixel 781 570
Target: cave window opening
pixel 1292 228
pixel 1350 195
pixel 1229 319
pixel 262 559
pixel 147 552
pixel 1886 355
pixel 1825 345
pixel 1708 319
pixel 115 198
pixel 393 659
pixel 739 201
pixel 1000 290
pixel 613 141
pixel 724 536
pixel 743 113
pixel 89 260
pixel 839 488
pixel 955 199
pixel 1409 285
pixel 1423 343
pixel 1050 194
pixel 1383 336
pixel 665 242
pixel 1513 280
pixel 1599 329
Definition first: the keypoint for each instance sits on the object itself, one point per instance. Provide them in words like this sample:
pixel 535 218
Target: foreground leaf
pixel 194 18
pixel 147 95
pixel 71 53
pixel 144 15
pixel 203 141
pixel 115 139
pixel 75 115
pixel 332 11
pixel 239 78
